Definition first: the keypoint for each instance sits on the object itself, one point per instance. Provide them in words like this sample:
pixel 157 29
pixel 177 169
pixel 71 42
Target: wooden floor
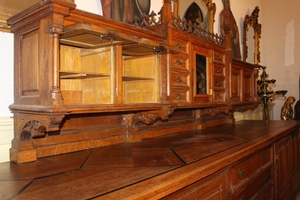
pixel 92 173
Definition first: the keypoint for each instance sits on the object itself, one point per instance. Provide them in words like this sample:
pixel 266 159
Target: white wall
pixel 6 88
pixel 281 46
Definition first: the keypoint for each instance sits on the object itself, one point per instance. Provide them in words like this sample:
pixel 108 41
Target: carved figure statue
pixel 228 21
pixel 287 109
pixel 125 10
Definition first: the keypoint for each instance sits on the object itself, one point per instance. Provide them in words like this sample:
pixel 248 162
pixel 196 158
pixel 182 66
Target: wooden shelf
pixel 86 35
pixel 130 78
pixel 80 75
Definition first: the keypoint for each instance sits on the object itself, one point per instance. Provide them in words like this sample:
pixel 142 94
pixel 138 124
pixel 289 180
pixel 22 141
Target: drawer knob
pixel 178 62
pixel 218 70
pixel 218 84
pixel 264 159
pixel 240 174
pixel 178 80
pixel 218 57
pixel 178 46
pixel 178 96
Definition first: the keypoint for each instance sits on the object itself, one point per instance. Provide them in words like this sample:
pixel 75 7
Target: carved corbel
pixel 150 117
pixel 38 128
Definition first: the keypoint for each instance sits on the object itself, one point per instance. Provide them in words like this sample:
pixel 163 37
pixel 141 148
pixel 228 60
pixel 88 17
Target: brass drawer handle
pixel 178 96
pixel 178 80
pixel 240 174
pixel 178 46
pixel 178 62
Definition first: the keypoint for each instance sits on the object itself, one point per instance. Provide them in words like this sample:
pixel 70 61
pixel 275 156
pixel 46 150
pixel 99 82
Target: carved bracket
pixel 38 128
pixel 213 112
pixel 151 117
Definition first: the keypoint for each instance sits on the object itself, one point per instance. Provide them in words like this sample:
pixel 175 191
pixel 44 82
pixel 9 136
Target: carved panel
pixel 151 117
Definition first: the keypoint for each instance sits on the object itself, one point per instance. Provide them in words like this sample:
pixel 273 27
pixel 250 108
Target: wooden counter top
pixel 149 169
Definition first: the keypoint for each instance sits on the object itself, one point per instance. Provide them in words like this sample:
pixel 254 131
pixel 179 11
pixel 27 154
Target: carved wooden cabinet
pixel 85 81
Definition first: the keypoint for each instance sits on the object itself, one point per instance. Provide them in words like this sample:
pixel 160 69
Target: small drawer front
pixel 218 95
pixel 256 185
pixel 180 45
pixel 179 95
pixel 178 61
pixel 218 57
pixel 245 170
pixel 218 82
pixel 218 70
pixel 178 78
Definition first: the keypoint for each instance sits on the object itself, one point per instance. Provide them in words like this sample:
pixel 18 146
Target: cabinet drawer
pixel 180 45
pixel 242 172
pixel 178 78
pixel 179 94
pixel 218 57
pixel 212 187
pixel 218 82
pixel 218 70
pixel 178 61
pixel 255 186
pixel 218 95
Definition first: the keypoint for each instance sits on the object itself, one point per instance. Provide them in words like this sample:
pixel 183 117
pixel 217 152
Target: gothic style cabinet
pixel 85 81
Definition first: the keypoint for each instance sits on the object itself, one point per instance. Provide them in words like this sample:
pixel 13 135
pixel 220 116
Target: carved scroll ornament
pixel 150 117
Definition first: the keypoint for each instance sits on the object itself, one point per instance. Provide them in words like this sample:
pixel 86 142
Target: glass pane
pixel 201 87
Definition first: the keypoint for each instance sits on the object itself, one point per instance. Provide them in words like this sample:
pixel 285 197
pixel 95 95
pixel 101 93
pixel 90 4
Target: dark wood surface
pixel 138 169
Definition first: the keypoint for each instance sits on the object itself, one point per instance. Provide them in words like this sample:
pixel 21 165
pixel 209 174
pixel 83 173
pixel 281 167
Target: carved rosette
pixel 151 117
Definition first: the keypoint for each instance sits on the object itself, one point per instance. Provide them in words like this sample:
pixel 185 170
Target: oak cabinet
pixel 72 66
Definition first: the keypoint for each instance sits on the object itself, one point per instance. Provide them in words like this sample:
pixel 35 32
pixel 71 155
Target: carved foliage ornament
pixel 151 117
